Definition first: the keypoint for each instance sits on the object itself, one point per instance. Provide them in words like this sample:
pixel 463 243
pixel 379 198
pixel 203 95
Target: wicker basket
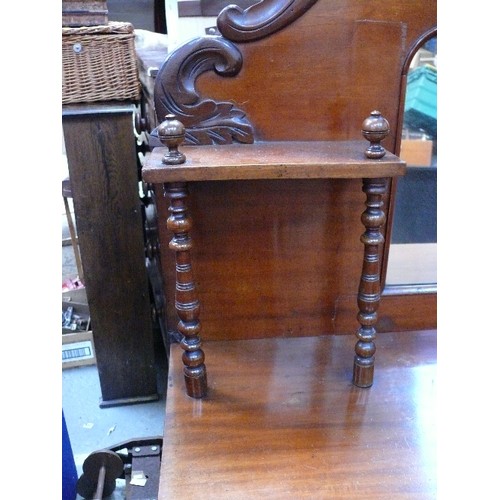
pixel 99 64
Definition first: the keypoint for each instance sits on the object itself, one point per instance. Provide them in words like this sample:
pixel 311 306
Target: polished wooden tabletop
pixel 282 420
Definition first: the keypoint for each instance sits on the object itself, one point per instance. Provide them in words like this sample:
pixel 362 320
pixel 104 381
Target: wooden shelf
pixel 273 160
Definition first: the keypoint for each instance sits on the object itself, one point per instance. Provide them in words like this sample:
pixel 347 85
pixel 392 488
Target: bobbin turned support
pixel 171 133
pixel 375 129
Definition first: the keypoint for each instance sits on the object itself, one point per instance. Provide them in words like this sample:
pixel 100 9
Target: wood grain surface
pixel 276 257
pixel 102 163
pixel 283 421
pixel 273 160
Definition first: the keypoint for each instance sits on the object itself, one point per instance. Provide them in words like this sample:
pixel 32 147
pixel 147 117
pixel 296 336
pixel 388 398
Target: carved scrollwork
pixel 261 19
pixel 206 121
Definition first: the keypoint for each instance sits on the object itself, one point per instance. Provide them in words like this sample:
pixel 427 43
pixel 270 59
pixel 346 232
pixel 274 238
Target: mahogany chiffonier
pixel 273 176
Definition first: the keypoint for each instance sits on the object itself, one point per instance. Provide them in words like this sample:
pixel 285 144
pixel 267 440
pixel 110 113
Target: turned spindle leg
pixel 369 287
pixel 186 301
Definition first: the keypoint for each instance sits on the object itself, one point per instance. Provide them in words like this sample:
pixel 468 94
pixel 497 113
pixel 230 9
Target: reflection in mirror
pixel 413 249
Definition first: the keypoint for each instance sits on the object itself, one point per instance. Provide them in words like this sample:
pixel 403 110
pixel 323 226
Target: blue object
pixel 431 45
pixel 421 100
pixel 69 474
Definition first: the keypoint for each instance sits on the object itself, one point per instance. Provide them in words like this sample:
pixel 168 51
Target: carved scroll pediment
pixel 206 121
pixel 261 19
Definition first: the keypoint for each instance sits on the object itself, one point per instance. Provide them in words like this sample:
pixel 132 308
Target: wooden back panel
pixel 320 76
pixel 276 258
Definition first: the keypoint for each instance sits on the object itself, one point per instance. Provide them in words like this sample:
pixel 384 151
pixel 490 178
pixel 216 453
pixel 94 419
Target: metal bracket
pixel 141 470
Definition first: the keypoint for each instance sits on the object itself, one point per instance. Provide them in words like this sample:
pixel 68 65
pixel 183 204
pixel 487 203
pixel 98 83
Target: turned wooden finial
pixel 171 133
pixel 375 129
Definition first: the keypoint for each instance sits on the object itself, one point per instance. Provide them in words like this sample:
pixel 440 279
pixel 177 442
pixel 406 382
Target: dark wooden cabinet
pixel 104 176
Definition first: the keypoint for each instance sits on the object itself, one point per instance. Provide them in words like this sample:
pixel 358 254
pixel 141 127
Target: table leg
pixel 186 300
pixel 369 287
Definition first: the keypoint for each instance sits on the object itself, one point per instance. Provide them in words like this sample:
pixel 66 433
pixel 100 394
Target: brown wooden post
pixel 186 300
pixel 369 287
pixel 375 128
pixel 171 133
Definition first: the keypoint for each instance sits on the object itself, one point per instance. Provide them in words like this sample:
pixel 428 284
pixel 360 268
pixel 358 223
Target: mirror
pixel 413 249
